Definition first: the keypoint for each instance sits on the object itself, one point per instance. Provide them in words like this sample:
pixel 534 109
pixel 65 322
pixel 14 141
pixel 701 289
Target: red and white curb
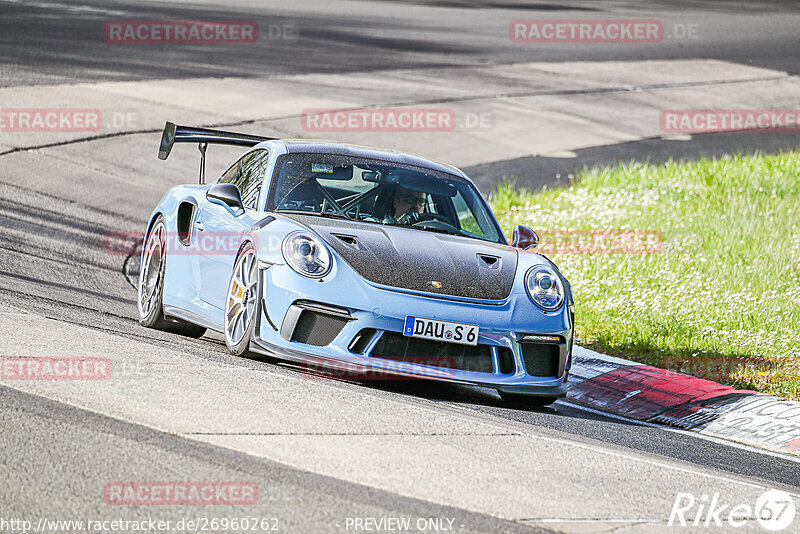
pixel 659 396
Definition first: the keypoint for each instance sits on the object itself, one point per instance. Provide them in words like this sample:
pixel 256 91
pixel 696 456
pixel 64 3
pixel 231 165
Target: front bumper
pixel 343 322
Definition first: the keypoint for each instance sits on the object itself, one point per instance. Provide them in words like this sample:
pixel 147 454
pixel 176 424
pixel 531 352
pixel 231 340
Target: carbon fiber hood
pixel 418 260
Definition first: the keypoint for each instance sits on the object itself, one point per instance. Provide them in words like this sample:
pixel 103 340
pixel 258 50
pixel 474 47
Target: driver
pixel 407 206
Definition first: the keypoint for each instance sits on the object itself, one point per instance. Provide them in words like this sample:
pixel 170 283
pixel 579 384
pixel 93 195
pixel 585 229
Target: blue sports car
pixel 350 258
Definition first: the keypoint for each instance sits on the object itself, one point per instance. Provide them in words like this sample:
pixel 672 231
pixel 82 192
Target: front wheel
pixel 240 302
pixel 516 400
pixel 151 285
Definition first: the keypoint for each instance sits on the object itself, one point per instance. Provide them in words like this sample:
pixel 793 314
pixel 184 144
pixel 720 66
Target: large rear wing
pixel 174 133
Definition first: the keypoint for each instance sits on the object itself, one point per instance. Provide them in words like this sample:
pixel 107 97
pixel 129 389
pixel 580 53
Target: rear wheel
pixel 516 400
pixel 240 302
pixel 151 285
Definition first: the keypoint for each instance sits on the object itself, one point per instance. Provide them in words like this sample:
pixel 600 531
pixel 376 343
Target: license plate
pixel 463 334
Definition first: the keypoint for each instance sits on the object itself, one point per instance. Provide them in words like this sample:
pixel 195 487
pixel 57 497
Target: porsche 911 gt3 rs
pixel 353 258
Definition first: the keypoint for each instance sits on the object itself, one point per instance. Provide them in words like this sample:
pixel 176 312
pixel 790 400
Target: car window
pixel 466 217
pixel 248 175
pixel 380 192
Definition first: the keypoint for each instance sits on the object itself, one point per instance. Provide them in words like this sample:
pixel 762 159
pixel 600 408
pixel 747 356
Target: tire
pixel 151 286
pixel 516 400
pixel 241 302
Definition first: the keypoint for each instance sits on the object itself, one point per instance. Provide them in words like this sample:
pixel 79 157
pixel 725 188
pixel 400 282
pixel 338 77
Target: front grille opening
pixel 505 360
pixel 397 347
pixel 540 359
pixel 319 329
pixel 362 339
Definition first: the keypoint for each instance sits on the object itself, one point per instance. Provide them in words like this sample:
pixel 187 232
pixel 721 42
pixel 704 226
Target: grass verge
pixel 689 266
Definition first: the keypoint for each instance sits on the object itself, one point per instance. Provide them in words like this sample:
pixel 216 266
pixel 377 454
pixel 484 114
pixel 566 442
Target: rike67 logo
pixel 774 510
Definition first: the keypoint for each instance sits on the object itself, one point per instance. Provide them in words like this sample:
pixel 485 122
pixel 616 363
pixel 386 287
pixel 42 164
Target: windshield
pixel 380 192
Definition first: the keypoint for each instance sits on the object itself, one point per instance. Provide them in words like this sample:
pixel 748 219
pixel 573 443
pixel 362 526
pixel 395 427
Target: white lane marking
pixel 631 394
pixel 67 7
pixel 5 304
pixel 500 423
pixel 720 441
pixel 656 463
pixel 587 365
pixel 558 520
pixel 497 422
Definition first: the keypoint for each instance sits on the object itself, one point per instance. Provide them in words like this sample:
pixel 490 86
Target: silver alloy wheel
pixel 152 272
pixel 240 303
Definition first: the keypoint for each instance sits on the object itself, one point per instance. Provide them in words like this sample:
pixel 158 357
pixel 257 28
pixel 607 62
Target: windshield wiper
pixel 330 215
pixel 427 229
pixel 318 214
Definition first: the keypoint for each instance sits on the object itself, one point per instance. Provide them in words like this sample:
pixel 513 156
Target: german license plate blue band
pixel 409 327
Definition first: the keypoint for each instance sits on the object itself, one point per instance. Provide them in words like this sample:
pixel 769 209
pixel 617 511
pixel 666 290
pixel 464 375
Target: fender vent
pixel 184 222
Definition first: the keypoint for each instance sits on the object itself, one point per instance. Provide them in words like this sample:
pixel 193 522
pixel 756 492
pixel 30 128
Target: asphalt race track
pixel 323 452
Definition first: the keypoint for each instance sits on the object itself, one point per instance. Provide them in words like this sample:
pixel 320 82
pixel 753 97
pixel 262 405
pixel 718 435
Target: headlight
pixel 544 287
pixel 306 254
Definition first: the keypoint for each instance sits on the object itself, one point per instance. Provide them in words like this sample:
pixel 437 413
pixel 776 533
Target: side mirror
pixel 524 238
pixel 227 194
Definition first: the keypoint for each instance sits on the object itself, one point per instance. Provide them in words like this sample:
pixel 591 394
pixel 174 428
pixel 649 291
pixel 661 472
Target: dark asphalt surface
pixel 46 42
pixel 51 244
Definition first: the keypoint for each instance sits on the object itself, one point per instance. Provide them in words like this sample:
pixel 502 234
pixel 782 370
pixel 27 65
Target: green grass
pixel 724 292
